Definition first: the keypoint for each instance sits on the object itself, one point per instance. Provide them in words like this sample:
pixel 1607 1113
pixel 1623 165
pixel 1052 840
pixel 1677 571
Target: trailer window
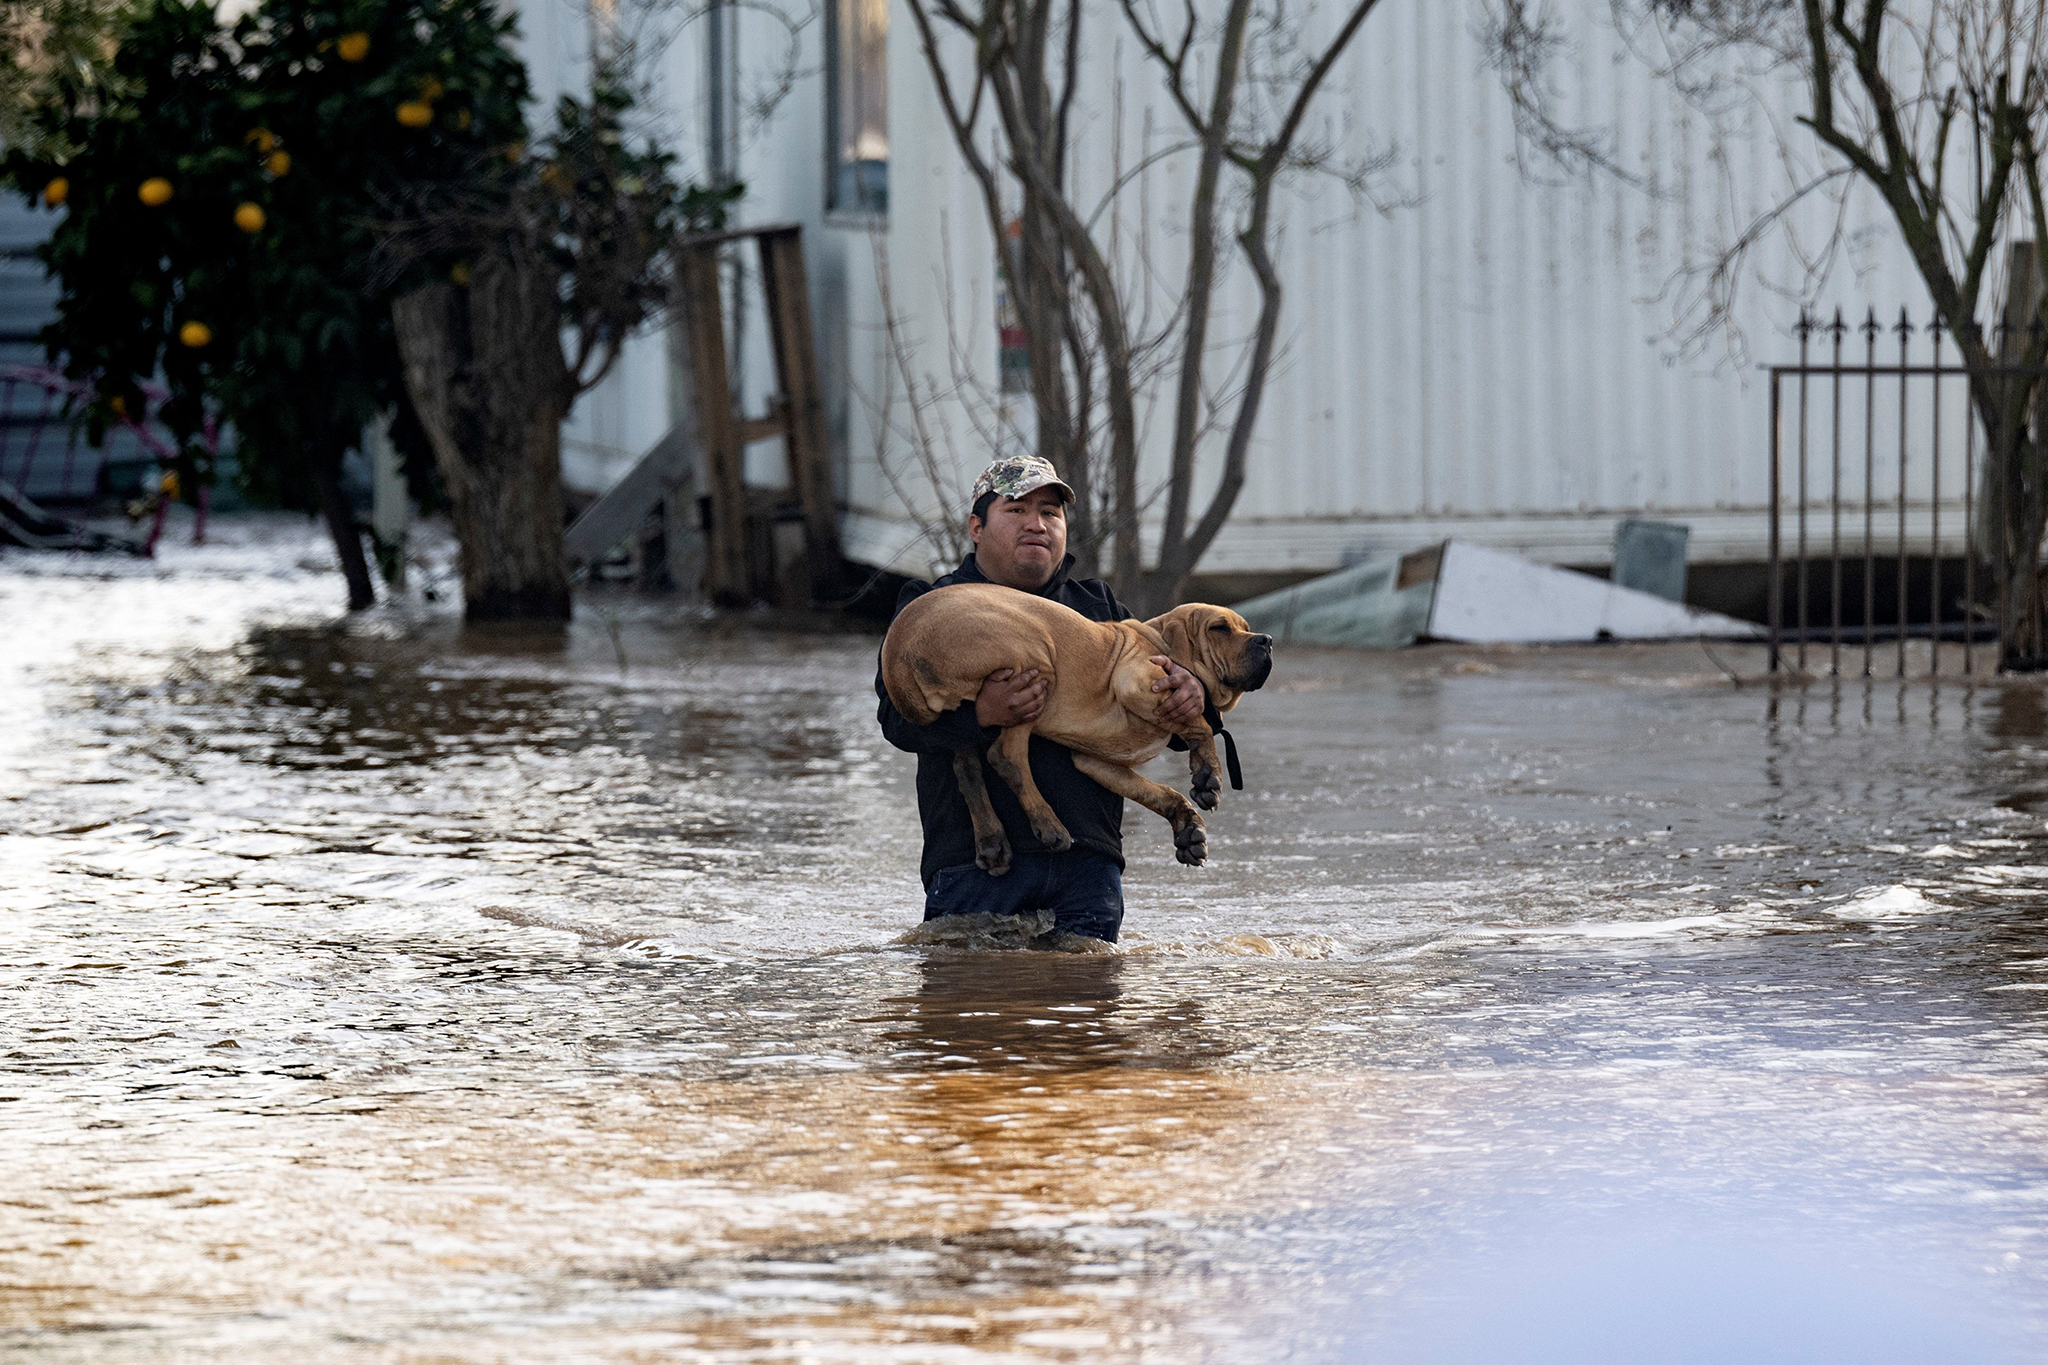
pixel 857 105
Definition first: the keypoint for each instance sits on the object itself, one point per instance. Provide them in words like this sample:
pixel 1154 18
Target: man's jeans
pixel 1084 891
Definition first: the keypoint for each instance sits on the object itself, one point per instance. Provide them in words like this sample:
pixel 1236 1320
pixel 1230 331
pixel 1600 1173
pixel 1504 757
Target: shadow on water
pixel 516 639
pixel 336 699
pixel 322 698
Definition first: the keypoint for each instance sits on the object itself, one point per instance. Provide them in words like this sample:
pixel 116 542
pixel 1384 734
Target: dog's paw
pixel 1206 790
pixel 993 855
pixel 1191 841
pixel 1054 837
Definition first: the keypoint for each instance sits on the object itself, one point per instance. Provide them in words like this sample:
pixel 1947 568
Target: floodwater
pixel 377 991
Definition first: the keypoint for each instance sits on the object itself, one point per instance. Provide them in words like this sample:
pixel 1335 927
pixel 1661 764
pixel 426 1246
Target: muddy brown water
pixel 384 991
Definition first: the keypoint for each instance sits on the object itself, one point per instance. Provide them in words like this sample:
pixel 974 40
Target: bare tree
pixel 909 414
pixel 634 37
pixel 1242 82
pixel 1939 107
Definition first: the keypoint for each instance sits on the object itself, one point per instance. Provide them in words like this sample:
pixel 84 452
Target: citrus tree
pixel 223 198
pixel 576 242
pixel 52 50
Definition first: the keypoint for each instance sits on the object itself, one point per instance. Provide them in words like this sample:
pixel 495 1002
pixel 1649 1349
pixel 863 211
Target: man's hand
pixel 1185 704
pixel 1008 698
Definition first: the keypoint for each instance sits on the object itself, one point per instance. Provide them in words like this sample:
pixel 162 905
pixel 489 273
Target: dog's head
pixel 1216 645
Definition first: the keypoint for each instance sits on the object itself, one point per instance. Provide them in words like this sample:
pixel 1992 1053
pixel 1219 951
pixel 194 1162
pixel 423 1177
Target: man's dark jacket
pixel 1092 814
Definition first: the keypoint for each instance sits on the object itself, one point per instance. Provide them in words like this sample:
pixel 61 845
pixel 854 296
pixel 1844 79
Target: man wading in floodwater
pixel 1019 529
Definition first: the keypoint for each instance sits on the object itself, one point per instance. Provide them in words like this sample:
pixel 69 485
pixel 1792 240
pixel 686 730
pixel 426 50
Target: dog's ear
pixel 1200 618
pixel 1173 629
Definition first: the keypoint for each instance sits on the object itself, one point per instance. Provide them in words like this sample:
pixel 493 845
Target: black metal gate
pixel 1882 456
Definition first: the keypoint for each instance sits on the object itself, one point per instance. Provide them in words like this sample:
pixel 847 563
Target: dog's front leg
pixel 1190 838
pixel 1205 781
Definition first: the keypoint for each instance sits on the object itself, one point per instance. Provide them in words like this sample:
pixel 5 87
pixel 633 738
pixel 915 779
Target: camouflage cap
pixel 1015 475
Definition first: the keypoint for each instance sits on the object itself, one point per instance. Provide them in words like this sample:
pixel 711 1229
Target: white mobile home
pixel 1493 350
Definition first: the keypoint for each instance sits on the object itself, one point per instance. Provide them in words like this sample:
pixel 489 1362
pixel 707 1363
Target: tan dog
pixel 1099 700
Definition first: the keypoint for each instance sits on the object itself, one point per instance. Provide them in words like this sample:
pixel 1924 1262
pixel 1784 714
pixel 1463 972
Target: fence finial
pixel 1838 327
pixel 1905 327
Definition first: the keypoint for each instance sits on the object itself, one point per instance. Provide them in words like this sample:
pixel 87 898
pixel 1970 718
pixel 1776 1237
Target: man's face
pixel 1022 540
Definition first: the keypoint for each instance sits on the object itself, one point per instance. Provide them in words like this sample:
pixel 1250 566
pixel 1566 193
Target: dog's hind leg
pixel 1190 838
pixel 991 844
pixel 1010 756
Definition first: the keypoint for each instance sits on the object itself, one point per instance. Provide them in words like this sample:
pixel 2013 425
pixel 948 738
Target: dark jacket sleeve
pixel 957 729
pixel 1103 605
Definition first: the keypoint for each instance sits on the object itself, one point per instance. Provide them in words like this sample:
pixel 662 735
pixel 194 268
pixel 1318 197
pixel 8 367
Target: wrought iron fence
pixel 1895 462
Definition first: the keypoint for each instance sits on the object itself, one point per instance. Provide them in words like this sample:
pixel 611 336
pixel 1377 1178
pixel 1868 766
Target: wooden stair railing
pixel 701 457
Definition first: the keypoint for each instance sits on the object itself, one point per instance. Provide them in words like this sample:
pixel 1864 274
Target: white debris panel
pixel 1469 593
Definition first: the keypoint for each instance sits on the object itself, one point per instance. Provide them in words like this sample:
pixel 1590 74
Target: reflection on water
pixel 1024 1013
pixel 384 990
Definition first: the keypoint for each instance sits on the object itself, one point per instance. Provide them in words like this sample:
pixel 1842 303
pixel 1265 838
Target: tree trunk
pixel 2014 501
pixel 485 370
pixel 348 537
pixel 1200 295
pixel 2023 513
pixel 2020 648
pixel 1038 291
pixel 2016 509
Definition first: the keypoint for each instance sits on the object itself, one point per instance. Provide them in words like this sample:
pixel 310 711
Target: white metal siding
pixel 1495 358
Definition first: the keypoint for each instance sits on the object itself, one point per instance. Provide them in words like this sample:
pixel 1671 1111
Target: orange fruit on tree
pixel 431 89
pixel 249 217
pixel 462 120
pixel 277 163
pixel 195 334
pixel 118 405
pixel 262 139
pixel 415 114
pixel 154 192
pixel 353 47
pixel 458 274
pixel 56 192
